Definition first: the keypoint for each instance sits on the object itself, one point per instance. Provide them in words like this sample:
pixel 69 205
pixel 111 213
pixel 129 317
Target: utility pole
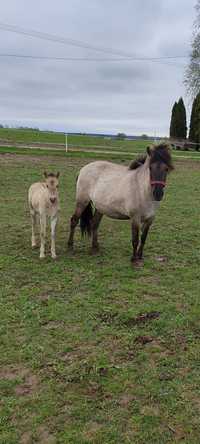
pixel 66 144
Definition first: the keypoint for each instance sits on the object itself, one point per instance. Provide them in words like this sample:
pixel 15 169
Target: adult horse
pixel 122 192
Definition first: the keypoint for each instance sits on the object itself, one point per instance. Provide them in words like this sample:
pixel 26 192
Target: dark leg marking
pixel 73 223
pixel 94 225
pixel 135 241
pixel 145 230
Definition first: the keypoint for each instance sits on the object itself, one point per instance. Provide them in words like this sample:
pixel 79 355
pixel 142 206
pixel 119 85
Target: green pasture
pixel 92 350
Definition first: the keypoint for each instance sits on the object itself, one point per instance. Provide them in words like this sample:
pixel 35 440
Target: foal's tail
pixel 85 220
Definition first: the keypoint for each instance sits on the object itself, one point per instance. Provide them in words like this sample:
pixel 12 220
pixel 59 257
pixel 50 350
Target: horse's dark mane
pixel 136 163
pixel 157 153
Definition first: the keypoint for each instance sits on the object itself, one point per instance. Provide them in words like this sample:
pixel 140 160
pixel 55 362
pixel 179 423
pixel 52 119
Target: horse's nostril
pixel 52 199
pixel 158 194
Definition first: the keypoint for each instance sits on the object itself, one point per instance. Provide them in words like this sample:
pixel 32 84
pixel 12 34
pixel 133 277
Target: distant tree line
pixel 19 127
pixel 178 124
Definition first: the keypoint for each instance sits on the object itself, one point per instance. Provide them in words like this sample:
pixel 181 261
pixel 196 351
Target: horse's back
pixel 91 173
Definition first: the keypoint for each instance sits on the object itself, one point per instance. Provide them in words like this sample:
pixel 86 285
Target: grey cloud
pixel 125 96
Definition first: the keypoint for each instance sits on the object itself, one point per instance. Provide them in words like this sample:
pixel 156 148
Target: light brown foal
pixel 43 201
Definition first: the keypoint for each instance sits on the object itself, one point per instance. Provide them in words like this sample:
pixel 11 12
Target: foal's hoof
pixel 54 257
pixel 34 246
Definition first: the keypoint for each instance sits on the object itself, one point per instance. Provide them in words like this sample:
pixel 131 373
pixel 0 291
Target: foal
pixel 44 201
pixel 122 192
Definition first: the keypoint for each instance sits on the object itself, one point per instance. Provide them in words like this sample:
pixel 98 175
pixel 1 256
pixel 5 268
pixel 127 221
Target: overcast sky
pixel 134 97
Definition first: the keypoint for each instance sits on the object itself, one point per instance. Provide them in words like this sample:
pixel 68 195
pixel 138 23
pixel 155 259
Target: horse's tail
pixel 85 220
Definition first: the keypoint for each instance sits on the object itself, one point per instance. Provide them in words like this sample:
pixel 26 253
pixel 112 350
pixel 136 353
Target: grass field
pixel 78 362
pixel 77 141
pixel 77 145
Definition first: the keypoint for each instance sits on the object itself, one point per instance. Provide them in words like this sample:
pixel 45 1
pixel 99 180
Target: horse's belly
pixel 113 213
pixel 118 216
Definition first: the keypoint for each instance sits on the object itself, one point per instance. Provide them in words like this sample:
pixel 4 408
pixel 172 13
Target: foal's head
pixel 160 164
pixel 52 183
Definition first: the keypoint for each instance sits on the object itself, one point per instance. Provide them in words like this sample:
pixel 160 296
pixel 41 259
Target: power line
pixel 92 59
pixel 77 43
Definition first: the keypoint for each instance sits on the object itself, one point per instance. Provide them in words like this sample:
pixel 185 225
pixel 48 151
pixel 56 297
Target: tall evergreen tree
pixel 178 125
pixel 182 122
pixel 173 131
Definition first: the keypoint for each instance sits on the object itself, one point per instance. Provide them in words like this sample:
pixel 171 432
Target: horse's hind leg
pixel 145 230
pixel 95 225
pixel 73 223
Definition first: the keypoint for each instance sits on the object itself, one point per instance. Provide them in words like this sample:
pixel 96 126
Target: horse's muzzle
pixel 158 192
pixel 53 200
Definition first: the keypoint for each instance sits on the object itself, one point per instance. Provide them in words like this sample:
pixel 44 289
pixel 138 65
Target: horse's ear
pixel 148 150
pixel 57 174
pixel 45 174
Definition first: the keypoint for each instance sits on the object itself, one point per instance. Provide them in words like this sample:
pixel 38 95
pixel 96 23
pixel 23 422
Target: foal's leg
pixel 34 221
pixel 42 235
pixel 73 223
pixel 145 230
pixel 135 240
pixel 53 236
pixel 95 224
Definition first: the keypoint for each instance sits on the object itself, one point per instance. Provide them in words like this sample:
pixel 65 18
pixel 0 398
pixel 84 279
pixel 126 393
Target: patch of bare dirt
pixel 26 438
pixel 44 436
pixel 142 318
pixel 12 158
pixel 91 430
pixel 13 372
pixel 29 386
pixel 144 339
pixel 126 399
pixel 30 381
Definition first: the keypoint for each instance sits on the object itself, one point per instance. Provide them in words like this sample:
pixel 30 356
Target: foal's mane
pixel 157 153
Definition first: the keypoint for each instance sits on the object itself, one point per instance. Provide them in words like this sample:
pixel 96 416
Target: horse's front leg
pixel 135 240
pixel 34 221
pixel 42 235
pixel 145 230
pixel 54 220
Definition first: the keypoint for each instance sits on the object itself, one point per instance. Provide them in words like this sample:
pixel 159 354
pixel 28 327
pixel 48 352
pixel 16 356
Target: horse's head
pixel 51 181
pixel 160 164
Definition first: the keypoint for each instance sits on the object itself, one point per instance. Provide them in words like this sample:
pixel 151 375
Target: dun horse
pixel 122 192
pixel 44 201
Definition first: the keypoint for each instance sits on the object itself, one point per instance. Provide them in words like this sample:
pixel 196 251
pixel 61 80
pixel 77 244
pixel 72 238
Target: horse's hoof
pixel 34 246
pixel 70 246
pixel 137 263
pixel 54 257
pixel 94 251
